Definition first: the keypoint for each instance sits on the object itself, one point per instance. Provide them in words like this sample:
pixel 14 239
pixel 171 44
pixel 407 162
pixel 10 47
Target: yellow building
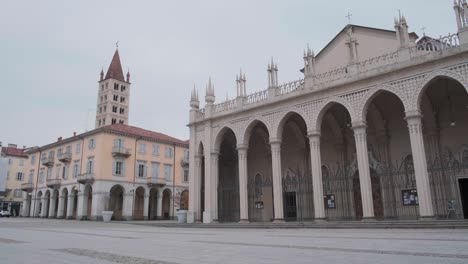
pixel 136 173
pixel 12 175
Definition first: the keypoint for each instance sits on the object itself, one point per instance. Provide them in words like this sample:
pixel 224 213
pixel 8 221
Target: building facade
pixel 12 175
pixel 376 129
pixel 138 174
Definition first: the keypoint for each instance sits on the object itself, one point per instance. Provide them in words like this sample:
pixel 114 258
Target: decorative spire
pixel 194 102
pixel 102 74
pixel 210 95
pixel 115 68
pixel 128 75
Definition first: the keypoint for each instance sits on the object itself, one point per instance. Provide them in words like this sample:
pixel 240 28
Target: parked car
pixel 4 213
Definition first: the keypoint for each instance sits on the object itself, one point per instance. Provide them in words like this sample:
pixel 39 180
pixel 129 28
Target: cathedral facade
pixel 376 129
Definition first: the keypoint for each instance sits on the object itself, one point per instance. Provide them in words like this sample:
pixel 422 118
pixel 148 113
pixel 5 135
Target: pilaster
pixel 127 209
pixel 98 204
pixel 243 191
pixel 277 180
pixel 316 165
pixel 70 206
pixel 215 179
pixel 146 206
pixel 61 206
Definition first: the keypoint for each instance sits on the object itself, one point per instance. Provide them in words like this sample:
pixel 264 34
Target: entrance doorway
pixel 463 184
pixel 290 209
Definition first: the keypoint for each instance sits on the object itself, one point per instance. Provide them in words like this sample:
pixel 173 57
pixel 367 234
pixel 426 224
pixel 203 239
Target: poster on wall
pixel 410 197
pixel 330 201
pixel 259 205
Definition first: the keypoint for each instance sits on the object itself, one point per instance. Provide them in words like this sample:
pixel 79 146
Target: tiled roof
pixel 140 132
pixel 115 68
pixel 14 152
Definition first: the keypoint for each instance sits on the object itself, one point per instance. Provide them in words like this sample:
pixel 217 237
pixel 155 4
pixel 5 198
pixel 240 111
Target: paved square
pixel 58 241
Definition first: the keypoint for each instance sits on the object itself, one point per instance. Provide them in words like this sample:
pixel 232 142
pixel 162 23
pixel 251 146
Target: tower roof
pixel 115 68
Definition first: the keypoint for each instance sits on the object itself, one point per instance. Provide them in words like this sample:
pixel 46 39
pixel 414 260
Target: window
pixel 114 109
pixel 68 149
pixel 58 170
pixel 116 97
pixel 89 166
pixel 21 162
pixel 185 176
pixel 122 111
pixel 102 98
pixel 105 109
pixel 121 121
pixel 168 172
pixel 122 88
pixel 118 168
pixel 33 159
pixel 41 176
pixel 122 99
pixel 107 85
pixel 142 148
pixel 59 152
pixel 186 155
pixel 91 143
pixel 155 169
pixel 105 99
pixel 78 148
pixel 119 143
pixel 103 121
pixel 141 169
pixel 76 168
pixel 99 122
pixel 17 193
pixel 10 161
pixel 65 172
pixel 116 86
pixel 100 109
pixel 31 176
pixel 114 120
pixel 49 173
pixel 168 152
pixel 19 176
pixel 155 150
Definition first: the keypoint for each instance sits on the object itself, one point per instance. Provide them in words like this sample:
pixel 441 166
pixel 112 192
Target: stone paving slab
pixel 63 241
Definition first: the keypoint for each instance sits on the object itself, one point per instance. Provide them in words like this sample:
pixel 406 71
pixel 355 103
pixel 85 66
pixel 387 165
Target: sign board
pixel 259 205
pixel 329 201
pixel 409 197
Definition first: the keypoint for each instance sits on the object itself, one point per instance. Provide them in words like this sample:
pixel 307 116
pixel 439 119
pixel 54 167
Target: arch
pixel 282 121
pixel 429 79
pixel 139 203
pixel 334 126
pixel 325 105
pixel 376 91
pixel 166 203
pixel 248 130
pixel 116 194
pixel 200 149
pixel 220 135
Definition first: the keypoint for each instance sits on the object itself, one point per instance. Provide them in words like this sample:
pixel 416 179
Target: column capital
pixel 312 134
pixel 358 125
pixel 242 147
pixel 215 152
pixel 413 115
pixel 275 141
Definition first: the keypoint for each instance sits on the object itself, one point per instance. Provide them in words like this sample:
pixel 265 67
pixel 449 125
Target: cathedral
pixel 375 130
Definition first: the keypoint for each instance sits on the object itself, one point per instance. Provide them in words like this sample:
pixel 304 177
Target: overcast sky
pixel 51 53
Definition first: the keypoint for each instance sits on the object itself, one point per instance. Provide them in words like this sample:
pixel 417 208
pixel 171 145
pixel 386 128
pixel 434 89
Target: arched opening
pixel 65 202
pixel 444 105
pixel 259 175
pixel 138 208
pixel 201 172
pixel 56 198
pixel 339 170
pixel 184 198
pixel 116 201
pixel 88 201
pixel 38 205
pixel 46 204
pixel 388 144
pixel 75 202
pixel 166 204
pixel 296 174
pixel 228 179
pixel 153 204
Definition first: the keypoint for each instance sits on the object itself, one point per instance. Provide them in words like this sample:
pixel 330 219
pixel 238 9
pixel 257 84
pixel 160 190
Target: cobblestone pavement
pixel 25 240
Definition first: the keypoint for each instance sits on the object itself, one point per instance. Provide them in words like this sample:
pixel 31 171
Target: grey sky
pixel 51 53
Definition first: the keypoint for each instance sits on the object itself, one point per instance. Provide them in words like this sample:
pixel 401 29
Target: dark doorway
pixel 463 184
pixel 290 209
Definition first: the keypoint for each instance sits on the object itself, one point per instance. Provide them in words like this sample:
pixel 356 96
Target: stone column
pixel 316 165
pixel 146 207
pixel 197 189
pixel 364 171
pixel 34 210
pixel 171 208
pixel 277 180
pixel 61 206
pixel 70 206
pixel 52 206
pixel 243 193
pixel 128 206
pixel 194 214
pixel 159 204
pixel 44 207
pixel 82 207
pixel 26 205
pixel 214 186
pixel 420 164
pixel 99 204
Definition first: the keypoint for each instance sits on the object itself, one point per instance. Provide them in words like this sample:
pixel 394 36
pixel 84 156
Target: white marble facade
pixel 377 114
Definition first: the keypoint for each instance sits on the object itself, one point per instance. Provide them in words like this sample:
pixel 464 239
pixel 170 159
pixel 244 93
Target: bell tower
pixel 113 95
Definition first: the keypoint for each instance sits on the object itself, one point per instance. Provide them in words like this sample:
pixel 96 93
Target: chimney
pixel 74 134
pixel 12 145
pixel 24 147
pixel 59 139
